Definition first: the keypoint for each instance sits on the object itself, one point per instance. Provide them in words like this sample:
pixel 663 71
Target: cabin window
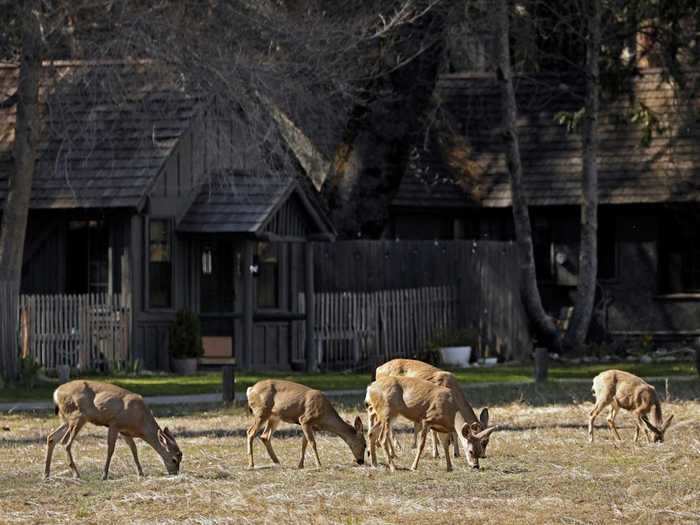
pixel 267 283
pixel 159 264
pixel 542 248
pixel 679 253
pixel 607 249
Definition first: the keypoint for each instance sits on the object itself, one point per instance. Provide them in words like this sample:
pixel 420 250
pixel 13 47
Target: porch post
pixel 310 302
pixel 248 305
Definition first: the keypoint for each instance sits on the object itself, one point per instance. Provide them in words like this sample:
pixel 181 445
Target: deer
pixel 271 401
pixel 427 372
pixel 431 406
pixel 121 411
pixel 619 389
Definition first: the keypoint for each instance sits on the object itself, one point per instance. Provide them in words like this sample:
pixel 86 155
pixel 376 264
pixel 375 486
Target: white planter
pixel 457 356
pixel 184 367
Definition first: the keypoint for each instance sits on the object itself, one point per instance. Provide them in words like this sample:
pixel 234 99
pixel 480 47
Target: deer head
pixel 170 452
pixel 657 432
pixel 473 438
pixel 356 441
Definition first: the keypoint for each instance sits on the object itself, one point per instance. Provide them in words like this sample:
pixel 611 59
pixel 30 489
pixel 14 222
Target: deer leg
pixel 111 442
pixel 134 452
pixel 266 438
pixel 304 442
pixel 597 409
pixel 435 441
pixel 309 433
pixel 455 443
pixel 250 434
pixel 611 422
pixel 75 428
pixel 445 440
pixel 421 445
pixel 373 435
pixel 385 438
pixel 416 433
pixel 53 438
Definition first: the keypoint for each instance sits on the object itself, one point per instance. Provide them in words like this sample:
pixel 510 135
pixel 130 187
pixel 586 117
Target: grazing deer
pixel 624 390
pixel 431 406
pixel 271 401
pixel 427 372
pixel 122 412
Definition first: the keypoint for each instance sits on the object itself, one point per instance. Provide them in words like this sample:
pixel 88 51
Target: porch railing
pixel 85 331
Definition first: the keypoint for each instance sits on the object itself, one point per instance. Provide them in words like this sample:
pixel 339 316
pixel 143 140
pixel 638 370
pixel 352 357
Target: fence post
pixel 228 383
pixel 311 356
pixel 541 364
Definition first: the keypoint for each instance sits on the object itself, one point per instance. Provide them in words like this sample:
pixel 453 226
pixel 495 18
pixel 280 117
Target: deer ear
pixel 359 427
pixel 486 432
pixel 167 432
pixel 667 423
pixel 484 418
pixel 465 431
pixel 474 427
pixel 650 426
pixel 162 438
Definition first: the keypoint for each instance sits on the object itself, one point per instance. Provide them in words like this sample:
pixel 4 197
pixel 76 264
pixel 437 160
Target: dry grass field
pixel 540 469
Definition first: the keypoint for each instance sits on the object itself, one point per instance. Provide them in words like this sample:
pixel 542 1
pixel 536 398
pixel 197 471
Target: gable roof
pixel 463 164
pixel 238 202
pixel 107 130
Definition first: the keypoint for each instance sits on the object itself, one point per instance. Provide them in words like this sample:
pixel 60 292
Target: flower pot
pixel 184 367
pixel 457 356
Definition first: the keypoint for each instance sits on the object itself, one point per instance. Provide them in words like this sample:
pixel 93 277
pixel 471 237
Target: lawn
pixel 540 469
pixel 210 382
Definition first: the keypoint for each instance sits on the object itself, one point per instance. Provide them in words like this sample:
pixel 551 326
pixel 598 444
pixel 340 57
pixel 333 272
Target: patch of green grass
pixel 210 382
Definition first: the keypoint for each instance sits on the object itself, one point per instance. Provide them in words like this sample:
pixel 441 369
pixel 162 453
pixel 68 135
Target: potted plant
pixel 185 343
pixel 455 346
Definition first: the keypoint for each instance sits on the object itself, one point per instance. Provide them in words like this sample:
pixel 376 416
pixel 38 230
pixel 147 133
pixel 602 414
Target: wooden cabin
pixel 140 194
pixel 457 187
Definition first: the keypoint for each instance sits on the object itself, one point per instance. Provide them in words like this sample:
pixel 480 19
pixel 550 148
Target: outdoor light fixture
pixel 206 261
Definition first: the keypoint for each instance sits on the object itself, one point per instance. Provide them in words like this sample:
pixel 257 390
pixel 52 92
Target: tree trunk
pixel 588 253
pixel 545 327
pixel 14 217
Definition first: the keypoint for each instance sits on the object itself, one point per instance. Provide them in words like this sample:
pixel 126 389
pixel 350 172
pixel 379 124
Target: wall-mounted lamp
pixel 206 261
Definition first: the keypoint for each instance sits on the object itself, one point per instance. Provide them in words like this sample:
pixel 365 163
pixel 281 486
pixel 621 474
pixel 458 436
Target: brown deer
pixel 427 372
pixel 271 401
pixel 431 406
pixel 620 389
pixel 122 412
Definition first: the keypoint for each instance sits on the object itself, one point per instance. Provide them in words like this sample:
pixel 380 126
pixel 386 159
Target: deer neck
pixel 150 436
pixel 334 423
pixel 460 420
pixel 464 408
pixel 657 416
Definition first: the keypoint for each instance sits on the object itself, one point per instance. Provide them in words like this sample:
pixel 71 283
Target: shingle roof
pixel 108 130
pixel 465 165
pixel 238 202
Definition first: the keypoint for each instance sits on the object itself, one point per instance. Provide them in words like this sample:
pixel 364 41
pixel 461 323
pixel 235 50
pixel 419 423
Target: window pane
pixel 160 270
pixel 267 280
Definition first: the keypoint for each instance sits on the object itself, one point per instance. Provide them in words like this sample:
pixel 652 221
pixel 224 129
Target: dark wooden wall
pixel 486 274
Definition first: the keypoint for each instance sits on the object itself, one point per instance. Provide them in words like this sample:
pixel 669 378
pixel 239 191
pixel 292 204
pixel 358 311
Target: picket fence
pixel 86 331
pixel 356 329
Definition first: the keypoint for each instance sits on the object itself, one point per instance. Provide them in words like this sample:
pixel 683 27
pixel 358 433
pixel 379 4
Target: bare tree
pixel 588 253
pixel 14 216
pixel 521 216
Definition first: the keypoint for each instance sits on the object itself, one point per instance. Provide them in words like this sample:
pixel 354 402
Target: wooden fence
pixel 355 329
pixel 9 301
pixel 484 275
pixel 84 331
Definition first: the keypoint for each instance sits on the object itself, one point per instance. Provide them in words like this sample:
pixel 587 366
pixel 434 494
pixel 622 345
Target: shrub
pixel 186 336
pixel 444 338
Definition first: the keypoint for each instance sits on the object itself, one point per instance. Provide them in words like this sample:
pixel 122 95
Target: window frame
pixel 147 256
pixel 278 279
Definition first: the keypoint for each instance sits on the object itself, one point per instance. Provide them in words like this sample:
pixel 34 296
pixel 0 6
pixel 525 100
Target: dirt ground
pixel 540 469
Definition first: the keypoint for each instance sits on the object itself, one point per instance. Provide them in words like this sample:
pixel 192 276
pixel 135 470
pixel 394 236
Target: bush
pixel 186 336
